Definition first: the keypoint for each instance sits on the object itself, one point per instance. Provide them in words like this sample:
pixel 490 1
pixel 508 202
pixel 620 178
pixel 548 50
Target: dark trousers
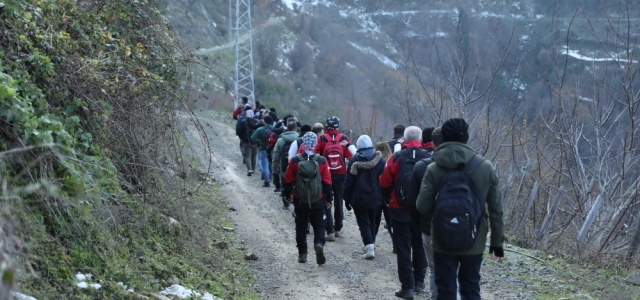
pixel 412 260
pixel 463 268
pixel 303 217
pixel 383 209
pixel 367 224
pixel 334 223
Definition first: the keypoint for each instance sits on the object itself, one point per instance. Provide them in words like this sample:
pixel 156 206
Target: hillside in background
pixel 341 57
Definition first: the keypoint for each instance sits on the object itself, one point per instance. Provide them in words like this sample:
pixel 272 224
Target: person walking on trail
pixel 281 154
pixel 296 145
pixel 334 146
pixel 461 216
pixel 385 150
pixel 307 182
pixel 432 138
pixel 362 191
pixel 395 143
pixel 241 108
pixel 262 137
pixel 411 259
pixel 244 131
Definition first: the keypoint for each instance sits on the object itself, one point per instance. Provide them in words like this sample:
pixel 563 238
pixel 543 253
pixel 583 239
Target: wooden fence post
pixel 532 197
pixel 549 219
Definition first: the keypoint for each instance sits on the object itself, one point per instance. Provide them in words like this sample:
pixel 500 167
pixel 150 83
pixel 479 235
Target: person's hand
pixel 386 204
pixel 288 199
pixel 276 169
pixel 344 143
pixel 347 206
pixel 401 140
pixel 327 204
pixel 497 253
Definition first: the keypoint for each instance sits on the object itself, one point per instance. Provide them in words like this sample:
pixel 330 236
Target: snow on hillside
pixel 381 57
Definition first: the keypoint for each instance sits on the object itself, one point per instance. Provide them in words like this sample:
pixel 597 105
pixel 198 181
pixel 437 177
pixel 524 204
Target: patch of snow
pixel 369 26
pixel 81 277
pixel 214 24
pixel 95 286
pixel 82 285
pixel 184 293
pixel 18 296
pixel 539 16
pixel 285 46
pixel 381 57
pixel 615 57
pixel 344 14
pixel 585 99
pixel 516 5
pixel 306 5
pixel 515 16
pixel 486 14
pixel 350 65
pixel 441 34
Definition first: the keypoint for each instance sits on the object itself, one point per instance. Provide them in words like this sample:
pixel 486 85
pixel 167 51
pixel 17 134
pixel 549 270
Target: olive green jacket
pixel 448 156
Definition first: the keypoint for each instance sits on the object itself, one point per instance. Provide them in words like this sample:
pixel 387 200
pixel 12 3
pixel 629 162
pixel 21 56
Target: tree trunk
pixel 549 219
pixel 532 197
pixel 582 235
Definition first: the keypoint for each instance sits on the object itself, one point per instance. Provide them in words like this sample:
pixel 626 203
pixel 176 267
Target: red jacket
pixel 292 173
pixel 237 112
pixel 323 141
pixel 390 175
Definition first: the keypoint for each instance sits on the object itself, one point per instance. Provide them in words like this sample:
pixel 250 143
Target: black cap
pixel 455 130
pixel 268 119
pixel 426 134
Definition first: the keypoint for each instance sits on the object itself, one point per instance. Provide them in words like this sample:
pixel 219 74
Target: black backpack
pixel 408 158
pixel 458 211
pixel 367 189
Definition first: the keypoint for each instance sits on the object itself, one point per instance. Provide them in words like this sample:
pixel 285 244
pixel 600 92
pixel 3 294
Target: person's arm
pixel 236 112
pixel 289 178
pixel 426 201
pixel 327 188
pixel 387 179
pixel 293 150
pixel 275 160
pixel 255 137
pixel 494 204
pixel 348 182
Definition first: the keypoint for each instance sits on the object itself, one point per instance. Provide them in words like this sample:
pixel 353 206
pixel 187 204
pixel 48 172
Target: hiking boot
pixel 302 258
pixel 330 237
pixel 393 250
pixel 405 294
pixel 370 252
pixel 338 234
pixel 276 190
pixel 320 259
pixel 266 184
pixel 285 206
pixel 418 288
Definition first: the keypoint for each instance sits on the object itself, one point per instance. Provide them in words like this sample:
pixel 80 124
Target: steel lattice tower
pixel 244 53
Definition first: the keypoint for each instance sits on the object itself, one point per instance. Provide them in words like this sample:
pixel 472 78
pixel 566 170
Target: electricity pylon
pixel 244 53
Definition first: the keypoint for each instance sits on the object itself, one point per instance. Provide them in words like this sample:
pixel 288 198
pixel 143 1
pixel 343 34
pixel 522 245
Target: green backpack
pixel 308 181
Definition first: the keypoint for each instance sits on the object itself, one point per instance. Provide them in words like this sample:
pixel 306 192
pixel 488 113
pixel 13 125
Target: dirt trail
pixel 268 231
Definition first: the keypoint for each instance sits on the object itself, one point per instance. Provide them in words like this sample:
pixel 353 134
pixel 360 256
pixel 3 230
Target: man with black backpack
pixel 307 182
pixel 334 146
pixel 264 138
pixel 362 191
pixel 395 181
pixel 281 153
pixel 455 191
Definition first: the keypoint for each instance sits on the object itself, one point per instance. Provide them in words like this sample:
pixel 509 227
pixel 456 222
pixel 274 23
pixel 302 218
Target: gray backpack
pixel 308 182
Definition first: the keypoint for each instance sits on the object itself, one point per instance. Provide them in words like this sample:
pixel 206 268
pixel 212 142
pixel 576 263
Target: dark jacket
pixel 388 181
pixel 256 137
pixel 416 176
pixel 246 128
pixel 290 179
pixel 448 156
pixel 365 159
pixel 394 140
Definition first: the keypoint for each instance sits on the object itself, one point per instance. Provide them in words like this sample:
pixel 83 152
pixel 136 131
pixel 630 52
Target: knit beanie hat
pixel 426 135
pixel 364 141
pixel 455 130
pixel 250 113
pixel 268 119
pixel 305 128
pixel 309 142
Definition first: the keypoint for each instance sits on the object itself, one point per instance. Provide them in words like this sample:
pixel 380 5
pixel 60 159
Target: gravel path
pixel 267 230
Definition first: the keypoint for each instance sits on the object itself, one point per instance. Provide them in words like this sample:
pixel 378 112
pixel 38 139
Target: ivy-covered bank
pixel 92 173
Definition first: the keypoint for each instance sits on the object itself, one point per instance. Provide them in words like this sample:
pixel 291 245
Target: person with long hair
pixel 385 150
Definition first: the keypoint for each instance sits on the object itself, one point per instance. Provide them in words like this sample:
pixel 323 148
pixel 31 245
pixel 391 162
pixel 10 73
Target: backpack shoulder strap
pixel 300 158
pixel 473 164
pixel 315 157
pixel 323 138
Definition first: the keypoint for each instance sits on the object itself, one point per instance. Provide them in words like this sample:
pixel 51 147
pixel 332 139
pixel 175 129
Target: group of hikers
pixel 438 197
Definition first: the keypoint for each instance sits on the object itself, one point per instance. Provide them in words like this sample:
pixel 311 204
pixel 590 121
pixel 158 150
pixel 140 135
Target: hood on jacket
pixel 453 155
pixel 289 136
pixel 368 164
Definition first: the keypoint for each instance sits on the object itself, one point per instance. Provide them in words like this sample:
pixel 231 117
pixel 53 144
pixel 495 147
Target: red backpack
pixel 269 138
pixel 333 152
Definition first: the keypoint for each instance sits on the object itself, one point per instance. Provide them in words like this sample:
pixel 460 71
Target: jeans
pixel 453 269
pixel 367 224
pixel 426 243
pixel 337 183
pixel 303 217
pixel 250 152
pixel 412 260
pixel 264 164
